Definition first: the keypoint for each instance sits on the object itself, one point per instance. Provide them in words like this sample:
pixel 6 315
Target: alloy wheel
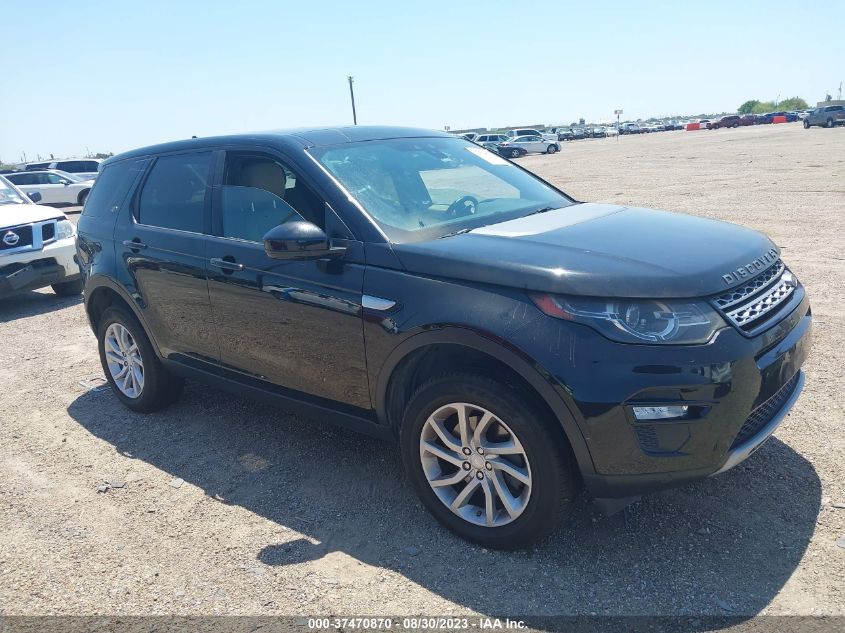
pixel 124 361
pixel 475 464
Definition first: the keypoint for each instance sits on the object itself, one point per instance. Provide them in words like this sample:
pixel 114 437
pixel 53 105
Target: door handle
pixel 225 264
pixel 135 245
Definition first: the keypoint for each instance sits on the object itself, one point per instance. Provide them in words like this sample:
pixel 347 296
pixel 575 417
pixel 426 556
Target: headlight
pixel 637 320
pixel 64 229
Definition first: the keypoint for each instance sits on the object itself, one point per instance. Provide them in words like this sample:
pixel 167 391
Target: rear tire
pixel 68 288
pixel 535 507
pixel 159 388
pixel 806 124
pixel 830 123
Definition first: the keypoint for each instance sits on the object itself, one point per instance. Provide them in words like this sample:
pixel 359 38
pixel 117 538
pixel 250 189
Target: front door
pixel 295 324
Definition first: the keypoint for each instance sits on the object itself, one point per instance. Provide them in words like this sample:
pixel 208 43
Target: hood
pixel 17 214
pixel 599 250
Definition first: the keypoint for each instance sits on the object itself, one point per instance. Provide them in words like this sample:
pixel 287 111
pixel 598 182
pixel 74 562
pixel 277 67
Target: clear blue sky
pixel 111 75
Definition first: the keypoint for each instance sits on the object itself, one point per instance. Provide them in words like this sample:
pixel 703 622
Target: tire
pixel 551 149
pixel 830 123
pixel 159 387
pixel 82 197
pixel 515 153
pixel 68 288
pixel 806 124
pixel 552 484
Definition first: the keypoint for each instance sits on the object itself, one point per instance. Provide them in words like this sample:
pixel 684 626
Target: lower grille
pixel 763 414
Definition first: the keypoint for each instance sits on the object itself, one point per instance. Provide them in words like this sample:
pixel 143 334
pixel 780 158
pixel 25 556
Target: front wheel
pixel 83 196
pixel 486 461
pixel 68 288
pixel 830 123
pixel 514 153
pixel 551 149
pixel 130 364
pixel 806 124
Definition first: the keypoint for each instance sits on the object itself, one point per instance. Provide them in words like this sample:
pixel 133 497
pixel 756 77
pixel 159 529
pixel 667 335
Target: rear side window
pixel 173 196
pixel 111 187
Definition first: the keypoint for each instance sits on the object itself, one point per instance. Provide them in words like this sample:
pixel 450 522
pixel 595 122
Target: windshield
pixel 423 188
pixel 8 193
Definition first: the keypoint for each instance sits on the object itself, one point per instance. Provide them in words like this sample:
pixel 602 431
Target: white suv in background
pixel 37 245
pixel 548 136
pixel 55 187
pixel 85 168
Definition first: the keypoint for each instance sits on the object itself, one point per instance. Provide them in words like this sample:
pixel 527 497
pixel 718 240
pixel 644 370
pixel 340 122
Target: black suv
pixel 415 286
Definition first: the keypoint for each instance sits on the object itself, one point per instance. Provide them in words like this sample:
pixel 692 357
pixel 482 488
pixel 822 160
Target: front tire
pixel 551 149
pixel 136 375
pixel 514 153
pixel 830 123
pixel 486 461
pixel 68 288
pixel 806 124
pixel 83 196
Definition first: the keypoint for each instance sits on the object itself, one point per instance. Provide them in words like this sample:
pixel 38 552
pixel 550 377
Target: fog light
pixel 660 413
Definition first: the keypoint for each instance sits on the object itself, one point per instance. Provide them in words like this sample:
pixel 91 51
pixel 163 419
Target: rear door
pixel 162 243
pixel 294 324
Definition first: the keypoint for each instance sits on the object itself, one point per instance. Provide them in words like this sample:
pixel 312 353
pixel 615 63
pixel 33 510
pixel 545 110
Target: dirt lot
pixel 277 515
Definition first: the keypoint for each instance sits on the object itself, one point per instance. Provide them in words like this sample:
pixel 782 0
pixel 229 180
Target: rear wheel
pixel 130 364
pixel 806 124
pixel 830 123
pixel 68 288
pixel 486 461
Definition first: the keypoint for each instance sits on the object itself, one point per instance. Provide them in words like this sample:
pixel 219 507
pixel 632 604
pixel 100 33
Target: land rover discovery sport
pixel 516 343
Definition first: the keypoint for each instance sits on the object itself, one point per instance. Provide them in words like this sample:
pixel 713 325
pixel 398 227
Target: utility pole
pixel 352 96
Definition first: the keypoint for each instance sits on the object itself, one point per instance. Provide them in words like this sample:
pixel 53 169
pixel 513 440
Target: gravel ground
pixel 228 506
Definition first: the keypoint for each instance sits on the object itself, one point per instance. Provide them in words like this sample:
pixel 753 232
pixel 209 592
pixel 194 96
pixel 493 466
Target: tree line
pixel 753 106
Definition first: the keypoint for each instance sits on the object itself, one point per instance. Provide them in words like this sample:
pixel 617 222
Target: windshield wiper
pixel 458 232
pixel 543 210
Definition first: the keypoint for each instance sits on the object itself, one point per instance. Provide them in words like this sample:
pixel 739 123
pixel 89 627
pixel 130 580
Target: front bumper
pixel 29 270
pixel 738 390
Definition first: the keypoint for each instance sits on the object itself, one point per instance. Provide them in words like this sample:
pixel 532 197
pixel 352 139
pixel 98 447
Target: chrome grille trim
pixel 765 303
pixel 741 293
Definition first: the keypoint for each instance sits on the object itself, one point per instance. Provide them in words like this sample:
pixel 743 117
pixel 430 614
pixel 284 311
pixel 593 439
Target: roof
pixel 297 138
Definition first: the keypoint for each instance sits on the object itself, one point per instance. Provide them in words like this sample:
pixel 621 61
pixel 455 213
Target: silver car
pixel 522 145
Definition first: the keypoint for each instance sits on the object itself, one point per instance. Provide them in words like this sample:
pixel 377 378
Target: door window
pixel 173 196
pixel 53 179
pixel 259 192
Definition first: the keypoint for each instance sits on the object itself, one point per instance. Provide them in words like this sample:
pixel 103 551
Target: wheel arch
pixel 451 348
pixel 102 293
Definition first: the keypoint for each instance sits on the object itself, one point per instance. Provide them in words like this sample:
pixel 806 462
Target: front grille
pixel 15 237
pixel 737 295
pixel 48 231
pixel 763 414
pixel 748 306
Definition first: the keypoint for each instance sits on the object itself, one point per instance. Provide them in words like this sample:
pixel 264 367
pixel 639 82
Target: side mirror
pixel 34 196
pixel 64 182
pixel 299 240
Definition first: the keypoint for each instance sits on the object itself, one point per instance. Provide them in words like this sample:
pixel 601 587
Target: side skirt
pixel 292 401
